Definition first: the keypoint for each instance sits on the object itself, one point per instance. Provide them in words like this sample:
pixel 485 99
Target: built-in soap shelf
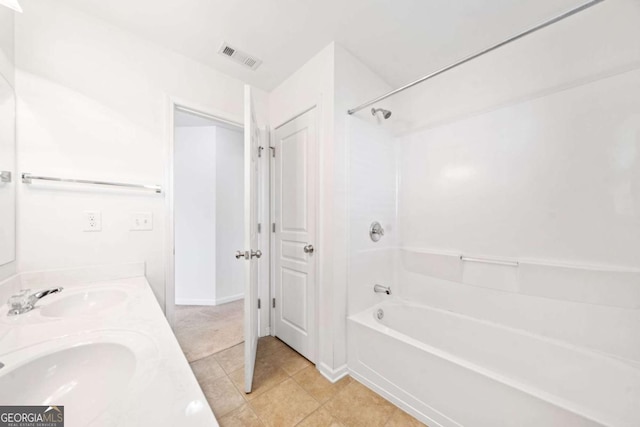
pixel 602 285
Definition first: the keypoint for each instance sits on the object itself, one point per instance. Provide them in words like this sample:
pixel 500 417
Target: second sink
pixel 83 303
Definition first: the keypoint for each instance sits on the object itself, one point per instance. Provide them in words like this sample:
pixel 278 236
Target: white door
pixel 250 253
pixel 295 236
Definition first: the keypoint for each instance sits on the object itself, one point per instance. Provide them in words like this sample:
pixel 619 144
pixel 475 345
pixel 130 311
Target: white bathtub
pixel 453 370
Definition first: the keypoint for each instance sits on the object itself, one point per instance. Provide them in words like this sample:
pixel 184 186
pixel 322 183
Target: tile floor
pixel 288 391
pixel 205 330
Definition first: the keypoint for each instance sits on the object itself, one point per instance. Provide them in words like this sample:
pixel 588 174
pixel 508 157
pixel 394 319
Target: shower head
pixel 385 113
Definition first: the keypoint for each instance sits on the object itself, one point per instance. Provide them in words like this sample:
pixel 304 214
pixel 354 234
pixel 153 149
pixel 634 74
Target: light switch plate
pixel 141 221
pixel 92 221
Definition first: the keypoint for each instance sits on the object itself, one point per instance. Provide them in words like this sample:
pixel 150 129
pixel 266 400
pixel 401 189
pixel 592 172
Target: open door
pixel 251 253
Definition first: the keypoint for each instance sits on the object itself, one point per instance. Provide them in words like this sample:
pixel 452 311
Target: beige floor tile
pixel 232 358
pixel 402 419
pixel 207 368
pixel 355 406
pixel 222 395
pixel 318 386
pixel 241 417
pixel 205 330
pixel 284 405
pixel 320 418
pixel 290 361
pixel 268 345
pixel 212 338
pixel 265 377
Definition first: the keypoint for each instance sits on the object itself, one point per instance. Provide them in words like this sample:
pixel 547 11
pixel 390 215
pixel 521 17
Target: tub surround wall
pixel 373 197
pixel 549 182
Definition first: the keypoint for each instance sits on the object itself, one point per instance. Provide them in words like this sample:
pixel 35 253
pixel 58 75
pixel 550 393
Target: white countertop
pixel 163 391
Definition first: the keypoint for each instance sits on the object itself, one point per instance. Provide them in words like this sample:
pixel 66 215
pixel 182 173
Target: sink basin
pixel 89 373
pixel 83 303
pixel 87 378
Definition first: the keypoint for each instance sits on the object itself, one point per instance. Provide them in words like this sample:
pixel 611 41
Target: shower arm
pixel 531 30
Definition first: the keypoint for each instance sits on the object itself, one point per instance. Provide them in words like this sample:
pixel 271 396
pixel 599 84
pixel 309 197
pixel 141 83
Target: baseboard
pixel 195 301
pixel 333 375
pixel 208 301
pixel 230 298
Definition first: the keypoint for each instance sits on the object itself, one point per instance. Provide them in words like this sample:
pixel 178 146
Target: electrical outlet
pixel 141 221
pixel 92 221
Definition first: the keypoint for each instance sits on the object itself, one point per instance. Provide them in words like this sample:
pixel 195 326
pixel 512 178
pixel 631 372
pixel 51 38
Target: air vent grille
pixel 239 56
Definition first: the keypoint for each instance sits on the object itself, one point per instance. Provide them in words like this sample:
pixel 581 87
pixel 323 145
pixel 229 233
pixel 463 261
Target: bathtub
pixel 449 369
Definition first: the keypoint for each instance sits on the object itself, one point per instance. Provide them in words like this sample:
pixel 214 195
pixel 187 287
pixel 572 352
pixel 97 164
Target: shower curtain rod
pixel 476 55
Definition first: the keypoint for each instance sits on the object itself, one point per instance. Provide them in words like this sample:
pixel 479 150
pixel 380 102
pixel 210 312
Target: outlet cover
pixel 92 221
pixel 141 221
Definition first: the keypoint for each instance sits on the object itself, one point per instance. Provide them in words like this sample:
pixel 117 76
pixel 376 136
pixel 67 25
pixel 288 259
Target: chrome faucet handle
pixel 20 299
pixel 20 302
pixel 24 301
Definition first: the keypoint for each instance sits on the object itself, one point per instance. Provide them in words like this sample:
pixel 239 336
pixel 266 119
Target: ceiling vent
pixel 239 56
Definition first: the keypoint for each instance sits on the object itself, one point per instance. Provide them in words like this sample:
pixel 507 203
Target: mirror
pixel 8 176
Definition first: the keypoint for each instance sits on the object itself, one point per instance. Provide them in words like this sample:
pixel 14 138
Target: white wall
pixel 333 81
pixel 195 209
pixel 531 154
pixel 313 85
pixel 7 71
pixel 94 103
pixel 229 214
pixel 7 44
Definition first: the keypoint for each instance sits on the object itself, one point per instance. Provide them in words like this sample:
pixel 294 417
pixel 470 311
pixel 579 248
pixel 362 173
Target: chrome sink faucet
pixel 379 289
pixel 25 301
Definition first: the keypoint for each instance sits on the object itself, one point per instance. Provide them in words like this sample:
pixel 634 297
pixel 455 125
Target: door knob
pixel 256 254
pixel 308 249
pixel 241 254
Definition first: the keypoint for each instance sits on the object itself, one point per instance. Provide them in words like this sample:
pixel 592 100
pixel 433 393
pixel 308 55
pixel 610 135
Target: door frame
pixel 172 104
pixel 318 253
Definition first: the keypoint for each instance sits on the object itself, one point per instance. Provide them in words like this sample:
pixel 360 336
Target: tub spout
pixel 379 289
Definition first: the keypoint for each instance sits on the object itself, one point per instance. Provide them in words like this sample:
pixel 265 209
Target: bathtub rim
pixel 367 319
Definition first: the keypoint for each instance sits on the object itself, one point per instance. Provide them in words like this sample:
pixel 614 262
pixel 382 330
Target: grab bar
pixel 489 261
pixel 27 178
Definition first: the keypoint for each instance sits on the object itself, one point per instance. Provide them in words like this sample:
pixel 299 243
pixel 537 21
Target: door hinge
pixel 259 228
pixel 273 151
pixel 273 227
pixel 260 148
pixel 259 303
pixel 273 303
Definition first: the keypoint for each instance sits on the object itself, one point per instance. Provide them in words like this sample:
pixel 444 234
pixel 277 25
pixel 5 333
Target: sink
pixel 88 373
pixel 83 303
pixel 86 377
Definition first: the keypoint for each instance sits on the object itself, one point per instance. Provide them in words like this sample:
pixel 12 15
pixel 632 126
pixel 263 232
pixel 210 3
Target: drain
pixel 380 314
